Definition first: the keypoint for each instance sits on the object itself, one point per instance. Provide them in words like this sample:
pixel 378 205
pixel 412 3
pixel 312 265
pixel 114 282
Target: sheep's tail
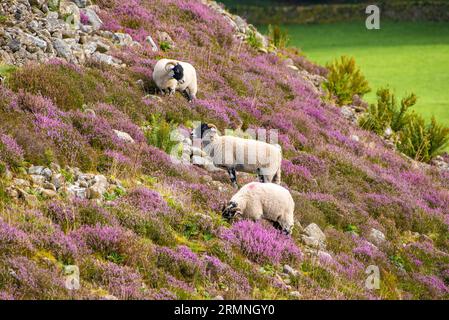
pixel 170 63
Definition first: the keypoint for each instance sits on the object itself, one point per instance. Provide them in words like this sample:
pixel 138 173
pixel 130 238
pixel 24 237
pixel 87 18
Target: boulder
pixel 163 36
pixel 69 12
pixel 314 237
pixel 123 39
pixel 62 49
pixel 92 18
pixel 124 136
pixel 290 271
pixel 98 188
pixel 80 3
pixel 35 170
pixel 153 45
pixel 376 237
pixel 37 179
pixel 104 58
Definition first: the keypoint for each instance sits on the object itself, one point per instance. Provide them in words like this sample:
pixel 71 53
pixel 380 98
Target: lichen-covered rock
pixel 314 237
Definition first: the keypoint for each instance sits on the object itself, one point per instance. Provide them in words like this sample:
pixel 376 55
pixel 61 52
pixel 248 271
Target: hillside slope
pixel 74 192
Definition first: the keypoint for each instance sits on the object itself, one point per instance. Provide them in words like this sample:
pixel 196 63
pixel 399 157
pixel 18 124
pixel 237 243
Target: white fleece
pixel 268 201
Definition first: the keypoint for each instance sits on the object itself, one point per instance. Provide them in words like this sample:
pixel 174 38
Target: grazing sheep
pixel 238 154
pixel 172 75
pixel 268 201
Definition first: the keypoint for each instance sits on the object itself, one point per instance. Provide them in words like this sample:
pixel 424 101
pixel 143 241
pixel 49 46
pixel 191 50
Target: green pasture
pixel 408 57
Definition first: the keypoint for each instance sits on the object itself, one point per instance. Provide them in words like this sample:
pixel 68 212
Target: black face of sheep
pixel 178 72
pixel 228 212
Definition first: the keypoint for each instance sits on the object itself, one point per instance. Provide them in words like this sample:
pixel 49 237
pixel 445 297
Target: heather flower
pixel 120 281
pixel 264 244
pixel 146 200
pixel 10 151
pixel 35 282
pixel 84 19
pixel 61 214
pixel 180 262
pixel 435 285
pixel 164 294
pixel 13 239
pixel 103 239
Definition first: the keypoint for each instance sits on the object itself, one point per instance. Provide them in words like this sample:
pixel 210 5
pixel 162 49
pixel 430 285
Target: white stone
pixel 124 136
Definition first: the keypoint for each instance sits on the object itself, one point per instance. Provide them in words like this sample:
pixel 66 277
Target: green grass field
pixel 408 57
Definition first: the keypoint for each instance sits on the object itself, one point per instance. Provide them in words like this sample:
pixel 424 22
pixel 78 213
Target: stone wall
pixel 397 11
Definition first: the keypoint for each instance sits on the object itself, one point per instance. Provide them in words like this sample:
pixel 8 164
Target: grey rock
pixel 218 298
pixel 62 49
pixel 90 47
pixel 376 237
pixel 36 170
pixel 104 58
pixel 57 180
pixel 69 12
pixel 14 45
pixel 47 173
pixel 295 294
pixel 163 36
pixel 122 39
pixel 77 192
pixel 290 271
pixel 99 187
pixel 355 138
pixel 21 183
pixel 80 3
pixel 124 136
pixel 93 18
pixel 37 179
pixel 49 186
pixel 83 184
pixel 102 47
pixel 48 193
pixel 153 45
pixel 314 237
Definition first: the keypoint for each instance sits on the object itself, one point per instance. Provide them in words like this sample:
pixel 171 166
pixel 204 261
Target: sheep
pixel 268 201
pixel 238 154
pixel 173 75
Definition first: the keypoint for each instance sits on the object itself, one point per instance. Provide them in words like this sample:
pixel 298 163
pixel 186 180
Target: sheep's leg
pixel 233 176
pixel 188 95
pixel 262 178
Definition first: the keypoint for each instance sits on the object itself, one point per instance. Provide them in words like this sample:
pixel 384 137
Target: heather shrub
pixel 13 240
pixel 91 214
pixel 146 200
pixel 345 80
pixel 32 281
pixel 182 262
pixel 10 152
pixel 264 244
pixel 111 243
pixel 120 281
pixel 145 224
pixel 61 214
